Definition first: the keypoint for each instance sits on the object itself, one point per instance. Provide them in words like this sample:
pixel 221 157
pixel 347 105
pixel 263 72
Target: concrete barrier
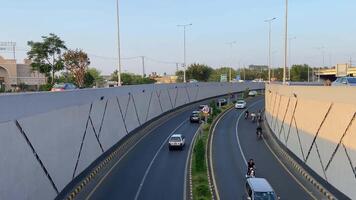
pixel 318 125
pixel 47 139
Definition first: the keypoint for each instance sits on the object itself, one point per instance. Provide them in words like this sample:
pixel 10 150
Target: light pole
pixel 185 53
pixel 290 56
pixel 285 44
pixel 323 55
pixel 269 21
pixel 118 44
pixel 231 54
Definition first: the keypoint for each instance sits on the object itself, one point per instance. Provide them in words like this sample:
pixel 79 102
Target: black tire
pixel 170 148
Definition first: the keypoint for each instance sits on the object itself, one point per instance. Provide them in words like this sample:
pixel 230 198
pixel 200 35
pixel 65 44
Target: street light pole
pixel 290 56
pixel 231 54
pixel 185 53
pixel 285 44
pixel 269 46
pixel 118 44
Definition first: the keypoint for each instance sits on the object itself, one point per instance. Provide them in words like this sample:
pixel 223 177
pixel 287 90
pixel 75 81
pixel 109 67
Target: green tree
pixel 77 62
pixel 132 79
pixel 299 73
pixel 46 56
pixel 98 79
pixel 216 74
pixel 89 80
pixel 180 75
pixel 199 72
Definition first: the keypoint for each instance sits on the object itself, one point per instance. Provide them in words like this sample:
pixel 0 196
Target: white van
pixel 259 189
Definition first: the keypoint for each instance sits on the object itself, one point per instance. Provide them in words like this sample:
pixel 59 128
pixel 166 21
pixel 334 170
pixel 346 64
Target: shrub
pixel 199 151
pixel 45 87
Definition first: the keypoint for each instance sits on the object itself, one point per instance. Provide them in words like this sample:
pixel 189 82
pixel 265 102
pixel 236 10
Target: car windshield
pixel 240 102
pixel 195 115
pixel 175 139
pixel 195 112
pixel 351 80
pixel 58 86
pixel 264 196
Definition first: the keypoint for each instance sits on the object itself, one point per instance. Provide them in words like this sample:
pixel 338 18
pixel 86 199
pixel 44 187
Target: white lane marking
pixel 154 158
pixel 269 148
pixel 237 133
pixel 186 164
pixel 211 154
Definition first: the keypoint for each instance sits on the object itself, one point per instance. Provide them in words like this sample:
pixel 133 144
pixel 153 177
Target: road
pixel 235 141
pixel 150 170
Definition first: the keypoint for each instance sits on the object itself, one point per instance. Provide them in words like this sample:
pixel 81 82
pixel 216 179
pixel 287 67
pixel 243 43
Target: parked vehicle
pixel 344 81
pixel 176 141
pixel 63 86
pixel 240 104
pixel 259 188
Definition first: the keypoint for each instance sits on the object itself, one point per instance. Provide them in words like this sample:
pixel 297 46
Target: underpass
pixel 234 142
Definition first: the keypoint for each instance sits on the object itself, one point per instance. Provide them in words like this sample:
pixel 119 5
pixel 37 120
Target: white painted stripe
pixel 154 158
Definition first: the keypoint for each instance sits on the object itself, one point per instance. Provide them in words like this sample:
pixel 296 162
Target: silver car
pixel 345 81
pixel 259 188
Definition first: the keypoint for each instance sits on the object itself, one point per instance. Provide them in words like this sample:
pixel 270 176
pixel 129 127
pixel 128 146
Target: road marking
pixel 290 173
pixel 118 161
pixel 237 133
pixel 269 148
pixel 186 164
pixel 154 158
pixel 211 154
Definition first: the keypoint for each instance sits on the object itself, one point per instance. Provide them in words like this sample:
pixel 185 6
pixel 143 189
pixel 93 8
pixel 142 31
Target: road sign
pixel 223 78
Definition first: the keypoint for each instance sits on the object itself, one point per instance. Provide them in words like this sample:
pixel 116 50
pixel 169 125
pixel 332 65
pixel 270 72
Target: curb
pixel 279 150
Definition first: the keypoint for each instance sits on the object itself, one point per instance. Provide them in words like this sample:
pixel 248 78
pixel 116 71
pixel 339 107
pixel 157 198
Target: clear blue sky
pixel 148 28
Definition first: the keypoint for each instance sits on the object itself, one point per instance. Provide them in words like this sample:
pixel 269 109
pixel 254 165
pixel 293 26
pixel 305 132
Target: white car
pixel 240 104
pixel 176 141
pixel 252 93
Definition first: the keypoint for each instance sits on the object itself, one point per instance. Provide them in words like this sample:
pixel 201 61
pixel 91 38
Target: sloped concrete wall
pixel 47 139
pixel 318 125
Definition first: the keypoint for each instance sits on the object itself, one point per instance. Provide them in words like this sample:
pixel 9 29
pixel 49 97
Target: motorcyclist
pixel 259 130
pixel 247 113
pixel 259 115
pixel 250 166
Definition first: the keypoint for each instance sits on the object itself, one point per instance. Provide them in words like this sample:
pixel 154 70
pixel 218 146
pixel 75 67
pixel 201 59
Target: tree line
pixel 204 73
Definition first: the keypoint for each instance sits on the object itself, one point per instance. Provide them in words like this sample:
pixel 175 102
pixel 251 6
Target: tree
pixel 98 79
pixel 131 79
pixel 46 56
pixel 77 62
pixel 89 80
pixel 216 74
pixel 180 75
pixel 299 73
pixel 199 72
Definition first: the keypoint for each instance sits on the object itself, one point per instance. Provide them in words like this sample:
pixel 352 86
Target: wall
pixel 47 139
pixel 318 125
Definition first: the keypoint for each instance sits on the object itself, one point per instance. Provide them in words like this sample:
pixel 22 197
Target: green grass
pixel 200 180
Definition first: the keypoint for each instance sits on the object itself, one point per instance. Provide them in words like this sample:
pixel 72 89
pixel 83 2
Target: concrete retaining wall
pixel 47 139
pixel 318 125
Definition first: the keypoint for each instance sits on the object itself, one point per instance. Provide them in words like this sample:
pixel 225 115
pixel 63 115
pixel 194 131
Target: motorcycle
pixel 246 115
pixel 253 117
pixel 259 133
pixel 250 173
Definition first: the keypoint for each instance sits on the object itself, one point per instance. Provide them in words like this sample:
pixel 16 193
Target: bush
pixel 199 151
pixel 46 87
pixel 203 191
pixel 246 92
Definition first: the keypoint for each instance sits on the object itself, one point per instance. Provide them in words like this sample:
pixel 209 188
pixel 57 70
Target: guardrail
pixel 47 139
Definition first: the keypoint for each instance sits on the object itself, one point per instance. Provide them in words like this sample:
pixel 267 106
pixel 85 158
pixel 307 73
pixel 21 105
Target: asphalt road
pixel 150 170
pixel 229 159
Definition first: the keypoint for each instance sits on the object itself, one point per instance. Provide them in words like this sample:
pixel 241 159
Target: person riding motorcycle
pixel 247 113
pixel 250 166
pixel 259 130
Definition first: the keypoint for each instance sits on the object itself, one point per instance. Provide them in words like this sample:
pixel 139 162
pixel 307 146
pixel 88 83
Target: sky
pixel 149 28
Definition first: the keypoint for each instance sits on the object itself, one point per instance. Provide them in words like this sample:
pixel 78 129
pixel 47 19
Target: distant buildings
pixel 13 74
pixel 258 67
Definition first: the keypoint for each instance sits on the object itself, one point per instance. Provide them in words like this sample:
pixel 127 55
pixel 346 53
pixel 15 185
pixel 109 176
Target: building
pixel 13 74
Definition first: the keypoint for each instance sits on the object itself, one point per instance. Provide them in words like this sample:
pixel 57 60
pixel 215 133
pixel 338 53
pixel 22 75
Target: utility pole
pixel 143 66
pixel 290 56
pixel 118 44
pixel 269 46
pixel 184 49
pixel 232 57
pixel 285 44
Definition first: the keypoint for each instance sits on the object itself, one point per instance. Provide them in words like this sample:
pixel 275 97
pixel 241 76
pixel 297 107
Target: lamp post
pixel 269 21
pixel 290 56
pixel 231 54
pixel 185 53
pixel 118 44
pixel 322 48
pixel 285 44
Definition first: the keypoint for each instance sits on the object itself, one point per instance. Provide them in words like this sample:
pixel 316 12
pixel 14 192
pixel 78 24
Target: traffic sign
pixel 206 110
